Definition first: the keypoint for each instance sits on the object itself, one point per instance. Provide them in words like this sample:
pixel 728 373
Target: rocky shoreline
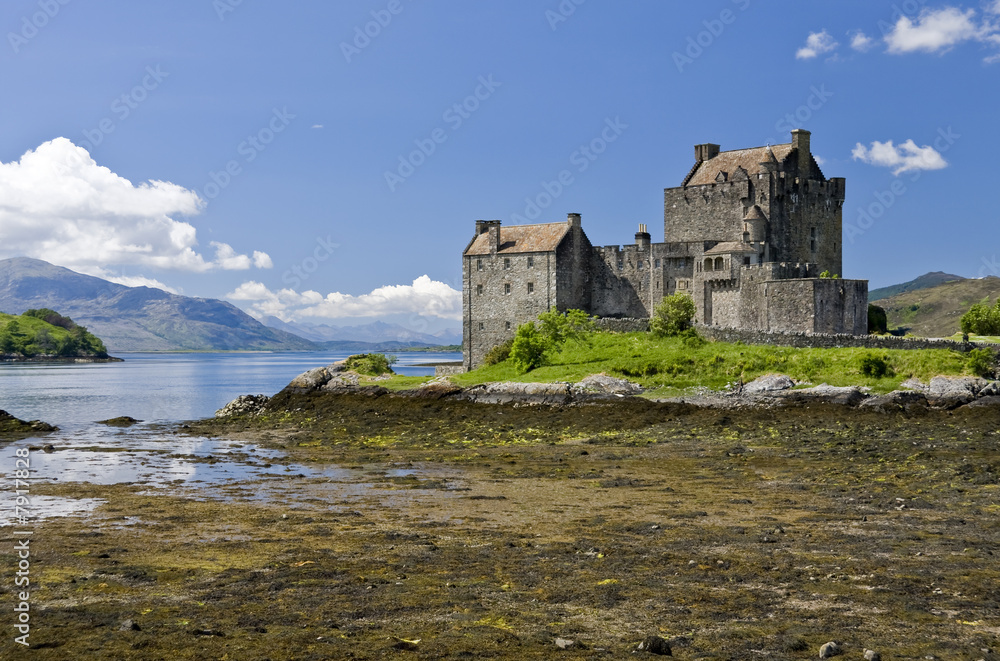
pixel 769 391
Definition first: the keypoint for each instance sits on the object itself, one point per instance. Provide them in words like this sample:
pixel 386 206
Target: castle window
pixel 746 261
pixel 531 262
pixel 657 263
pixel 506 263
pixel 531 288
pixel 812 245
pixel 812 232
pixel 621 265
pixel 506 288
pixel 639 265
pixel 508 325
pixel 682 284
pixel 479 264
pixel 684 263
pixel 479 290
pixel 482 326
pixel 719 264
pixel 708 263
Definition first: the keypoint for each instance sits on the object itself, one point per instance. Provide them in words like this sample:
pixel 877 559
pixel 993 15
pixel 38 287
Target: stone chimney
pixel 800 141
pixel 705 152
pixel 493 228
pixel 574 220
pixel 642 238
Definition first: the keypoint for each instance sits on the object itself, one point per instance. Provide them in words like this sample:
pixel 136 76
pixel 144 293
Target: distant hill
pixel 393 336
pixel 137 318
pixel 923 282
pixel 935 311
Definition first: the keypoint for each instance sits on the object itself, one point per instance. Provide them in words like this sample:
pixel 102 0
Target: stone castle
pixel 747 234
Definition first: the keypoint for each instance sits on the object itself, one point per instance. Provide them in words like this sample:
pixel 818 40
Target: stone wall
pixel 623 325
pixel 833 341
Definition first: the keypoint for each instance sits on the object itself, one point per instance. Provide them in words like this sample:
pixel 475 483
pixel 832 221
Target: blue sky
pixel 317 217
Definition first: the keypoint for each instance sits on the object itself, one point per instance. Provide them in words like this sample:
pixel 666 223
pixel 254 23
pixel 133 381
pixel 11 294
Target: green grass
pixel 669 366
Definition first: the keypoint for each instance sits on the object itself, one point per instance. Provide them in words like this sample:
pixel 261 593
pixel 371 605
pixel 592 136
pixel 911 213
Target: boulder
pixel 872 655
pixel 602 384
pixel 897 400
pixel 915 384
pixel 655 645
pixel 825 394
pixel 437 389
pixel 984 402
pixel 244 405
pixel 767 384
pixel 340 382
pixel 950 392
pixel 314 379
pixel 830 650
pixel 509 392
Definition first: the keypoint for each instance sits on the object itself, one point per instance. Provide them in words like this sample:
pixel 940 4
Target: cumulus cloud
pixel 817 44
pixel 136 281
pixel 862 43
pixel 58 204
pixel 424 297
pixel 904 158
pixel 940 30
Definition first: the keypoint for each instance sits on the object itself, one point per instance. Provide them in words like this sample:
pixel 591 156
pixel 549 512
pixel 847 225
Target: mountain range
pixel 148 319
pixel 923 308
pixel 375 332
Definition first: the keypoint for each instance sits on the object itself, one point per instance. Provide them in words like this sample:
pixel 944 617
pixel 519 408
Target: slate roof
pixel 522 238
pixel 755 213
pixel 731 247
pixel 730 162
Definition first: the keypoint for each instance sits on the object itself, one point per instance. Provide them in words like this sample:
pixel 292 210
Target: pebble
pixel 564 643
pixel 655 645
pixel 872 655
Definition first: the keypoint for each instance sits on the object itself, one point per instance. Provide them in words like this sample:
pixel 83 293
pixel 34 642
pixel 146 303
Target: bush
pixel 529 347
pixel 691 339
pixel 51 317
pixel 982 362
pixel 982 319
pixel 499 353
pixel 672 316
pixel 875 366
pixel 878 322
pixel 371 364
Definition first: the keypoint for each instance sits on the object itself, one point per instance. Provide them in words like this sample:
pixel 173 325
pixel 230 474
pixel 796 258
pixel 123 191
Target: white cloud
pixel 816 44
pixel 939 30
pixel 994 7
pixel 907 156
pixel 862 43
pixel 262 260
pixel 319 126
pixel 136 281
pixel 424 297
pixel 819 160
pixel 58 204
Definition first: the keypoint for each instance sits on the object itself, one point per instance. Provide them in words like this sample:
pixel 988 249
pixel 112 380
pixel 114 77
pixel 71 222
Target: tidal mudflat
pixel 349 526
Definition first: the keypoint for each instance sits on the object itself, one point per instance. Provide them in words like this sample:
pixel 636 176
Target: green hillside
pixel 925 281
pixel 935 311
pixel 45 332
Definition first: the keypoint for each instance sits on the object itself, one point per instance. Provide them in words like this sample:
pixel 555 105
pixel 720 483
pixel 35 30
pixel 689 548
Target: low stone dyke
pixel 821 341
pixel 622 325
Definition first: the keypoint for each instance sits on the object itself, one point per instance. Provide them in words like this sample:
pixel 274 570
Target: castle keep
pixel 747 234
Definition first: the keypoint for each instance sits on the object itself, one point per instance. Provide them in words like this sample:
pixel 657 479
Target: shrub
pixel 672 316
pixel 878 322
pixel 529 347
pixel 691 338
pixel 499 353
pixel 875 366
pixel 982 362
pixel 372 364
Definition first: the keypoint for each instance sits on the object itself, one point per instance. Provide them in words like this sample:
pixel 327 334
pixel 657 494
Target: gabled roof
pixel 731 247
pixel 730 161
pixel 522 238
pixel 755 213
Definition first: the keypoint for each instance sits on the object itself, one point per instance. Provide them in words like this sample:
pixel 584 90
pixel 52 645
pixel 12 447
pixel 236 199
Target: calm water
pixel 162 387
pixel 157 388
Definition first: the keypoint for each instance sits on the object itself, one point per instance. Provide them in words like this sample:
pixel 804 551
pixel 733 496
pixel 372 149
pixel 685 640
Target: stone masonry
pixel 747 235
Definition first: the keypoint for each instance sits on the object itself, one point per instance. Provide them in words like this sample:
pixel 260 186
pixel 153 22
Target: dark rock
pixel 48 448
pixel 897 400
pixel 129 625
pixel 244 405
pixel 11 425
pixel 207 632
pixel 121 421
pixel 951 392
pixel 825 394
pixel 984 402
pixel 655 645
pixel 518 393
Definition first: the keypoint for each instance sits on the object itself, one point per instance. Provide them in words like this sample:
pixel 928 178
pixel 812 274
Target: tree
pixel 673 315
pixel 530 345
pixel 570 325
pixel 981 319
pixel 878 322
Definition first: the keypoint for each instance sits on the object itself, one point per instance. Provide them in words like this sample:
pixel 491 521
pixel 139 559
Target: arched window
pixel 708 263
pixel 719 265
